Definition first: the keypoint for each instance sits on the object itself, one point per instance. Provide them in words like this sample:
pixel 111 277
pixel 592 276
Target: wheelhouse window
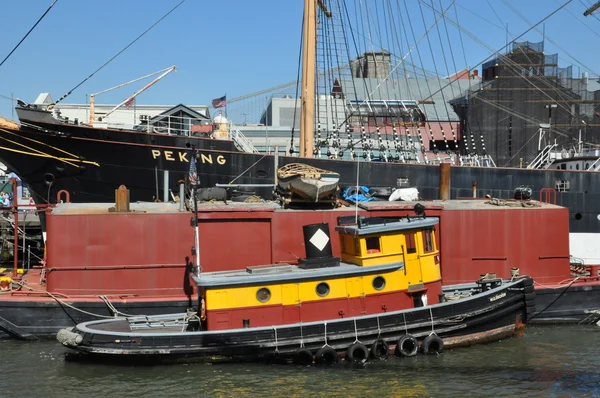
pixel 427 241
pixel 322 289
pixel 373 245
pixel 411 246
pixel 263 295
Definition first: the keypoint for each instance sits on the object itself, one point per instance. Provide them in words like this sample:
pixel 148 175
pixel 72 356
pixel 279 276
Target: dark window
pixel 417 302
pixel 263 295
pixel 577 166
pixel 373 245
pixel 322 289
pixel 378 283
pixel 411 247
pixel 427 241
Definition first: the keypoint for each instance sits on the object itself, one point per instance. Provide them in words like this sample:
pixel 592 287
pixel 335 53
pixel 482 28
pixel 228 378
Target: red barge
pixel 102 262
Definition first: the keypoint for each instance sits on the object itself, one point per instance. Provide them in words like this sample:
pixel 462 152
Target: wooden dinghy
pixel 307 181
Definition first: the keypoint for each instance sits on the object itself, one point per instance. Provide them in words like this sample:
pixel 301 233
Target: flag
pixel 193 174
pixel 219 102
pixel 130 103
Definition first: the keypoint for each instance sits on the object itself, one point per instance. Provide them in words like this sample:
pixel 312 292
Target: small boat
pixel 383 296
pixel 307 182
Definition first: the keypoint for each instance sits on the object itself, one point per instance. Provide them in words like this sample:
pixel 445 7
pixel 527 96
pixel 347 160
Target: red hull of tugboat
pixel 137 259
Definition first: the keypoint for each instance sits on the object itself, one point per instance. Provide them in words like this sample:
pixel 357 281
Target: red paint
pixel 144 253
pixel 317 310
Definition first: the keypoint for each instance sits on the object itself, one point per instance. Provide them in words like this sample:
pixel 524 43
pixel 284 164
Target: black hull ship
pixel 383 296
pixel 89 163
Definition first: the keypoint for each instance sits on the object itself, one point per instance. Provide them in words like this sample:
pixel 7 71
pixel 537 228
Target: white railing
pixel 543 159
pixel 240 140
pixel 594 166
pixel 477 160
pixel 167 124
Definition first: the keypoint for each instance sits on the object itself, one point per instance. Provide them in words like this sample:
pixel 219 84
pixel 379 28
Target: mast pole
pixel 308 79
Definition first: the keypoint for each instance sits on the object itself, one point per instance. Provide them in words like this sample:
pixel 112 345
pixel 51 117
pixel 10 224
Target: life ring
pixel 326 355
pixel 357 353
pixel 303 357
pixel 380 350
pixel 432 345
pixel 407 346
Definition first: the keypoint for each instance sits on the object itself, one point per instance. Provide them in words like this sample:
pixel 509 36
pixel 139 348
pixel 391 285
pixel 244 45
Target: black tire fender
pixel 303 357
pixel 380 350
pixel 326 355
pixel 407 346
pixel 432 344
pixel 357 353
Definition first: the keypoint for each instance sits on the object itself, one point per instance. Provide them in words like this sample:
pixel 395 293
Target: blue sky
pixel 232 47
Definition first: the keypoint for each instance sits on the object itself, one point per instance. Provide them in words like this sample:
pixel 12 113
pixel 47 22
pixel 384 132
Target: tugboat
pixel 383 296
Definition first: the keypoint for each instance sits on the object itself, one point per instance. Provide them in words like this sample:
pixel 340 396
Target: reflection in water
pixel 548 361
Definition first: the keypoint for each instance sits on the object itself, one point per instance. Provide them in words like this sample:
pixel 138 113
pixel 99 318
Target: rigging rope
pixel 119 53
pixel 27 34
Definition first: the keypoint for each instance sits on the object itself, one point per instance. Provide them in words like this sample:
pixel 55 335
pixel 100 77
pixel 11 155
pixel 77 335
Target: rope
pixel 301 337
pixel 276 348
pixel 244 172
pixel 378 328
pixel 112 307
pixel 61 302
pixel 39 153
pixel 405 325
pixel 431 315
pixel 187 318
pixel 119 53
pixel 38 142
pixel 27 34
pixel 554 301
pixel 325 345
pixel 510 203
pixel 356 331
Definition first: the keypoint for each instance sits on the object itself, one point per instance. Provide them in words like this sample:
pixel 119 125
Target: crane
pixel 131 97
pixel 593 8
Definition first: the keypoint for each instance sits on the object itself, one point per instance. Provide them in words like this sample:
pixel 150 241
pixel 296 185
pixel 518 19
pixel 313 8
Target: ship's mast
pixel 308 79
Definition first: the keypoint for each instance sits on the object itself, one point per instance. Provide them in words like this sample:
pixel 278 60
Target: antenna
pixel 357 191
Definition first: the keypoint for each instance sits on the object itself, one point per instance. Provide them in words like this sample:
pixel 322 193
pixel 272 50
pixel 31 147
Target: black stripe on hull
pixel 491 315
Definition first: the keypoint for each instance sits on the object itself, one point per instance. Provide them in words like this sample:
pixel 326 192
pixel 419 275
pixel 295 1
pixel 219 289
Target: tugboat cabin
pixel 386 265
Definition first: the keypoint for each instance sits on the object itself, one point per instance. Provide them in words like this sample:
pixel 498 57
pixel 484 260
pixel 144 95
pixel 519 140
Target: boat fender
pixel 326 355
pixel 432 344
pixel 357 353
pixel 68 338
pixel 380 350
pixel 407 346
pixel 303 357
pixel 203 309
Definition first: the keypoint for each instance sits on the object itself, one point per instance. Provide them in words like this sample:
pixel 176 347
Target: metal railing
pixel 543 159
pixel 240 140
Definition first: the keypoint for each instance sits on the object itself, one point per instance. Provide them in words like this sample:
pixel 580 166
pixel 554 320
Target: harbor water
pixel 549 361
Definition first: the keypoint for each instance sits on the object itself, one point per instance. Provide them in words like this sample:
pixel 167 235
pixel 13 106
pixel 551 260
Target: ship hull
pixel 486 316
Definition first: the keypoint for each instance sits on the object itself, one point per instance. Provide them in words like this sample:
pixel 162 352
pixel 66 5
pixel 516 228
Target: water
pixel 547 362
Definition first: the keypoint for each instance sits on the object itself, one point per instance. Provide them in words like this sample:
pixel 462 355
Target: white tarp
pixel 405 194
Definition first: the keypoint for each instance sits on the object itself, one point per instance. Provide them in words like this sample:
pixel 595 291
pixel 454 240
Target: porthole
pixel 322 289
pixel 378 283
pixel 577 166
pixel 587 166
pixel 578 216
pixel 263 295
